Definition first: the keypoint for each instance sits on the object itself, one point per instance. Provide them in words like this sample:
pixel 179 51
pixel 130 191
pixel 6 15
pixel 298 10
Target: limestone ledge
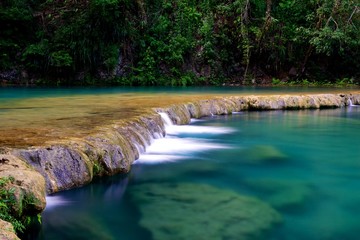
pixel 74 162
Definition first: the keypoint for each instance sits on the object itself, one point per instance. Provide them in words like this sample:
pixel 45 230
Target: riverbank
pixel 112 148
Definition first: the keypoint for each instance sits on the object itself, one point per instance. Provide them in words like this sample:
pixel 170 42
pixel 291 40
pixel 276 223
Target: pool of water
pixel 287 175
pixel 7 93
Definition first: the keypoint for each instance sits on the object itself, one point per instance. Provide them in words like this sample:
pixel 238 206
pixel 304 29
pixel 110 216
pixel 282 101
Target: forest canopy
pixel 179 42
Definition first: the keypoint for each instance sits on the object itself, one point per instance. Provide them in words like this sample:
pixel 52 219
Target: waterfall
pixel 180 142
pixel 53 201
pixel 166 119
pixel 350 103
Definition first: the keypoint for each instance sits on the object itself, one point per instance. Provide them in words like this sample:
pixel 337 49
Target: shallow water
pixel 303 164
pixel 34 116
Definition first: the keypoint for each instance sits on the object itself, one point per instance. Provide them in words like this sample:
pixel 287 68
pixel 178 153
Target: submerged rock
pixel 84 226
pixel 198 211
pixel 283 194
pixel 263 154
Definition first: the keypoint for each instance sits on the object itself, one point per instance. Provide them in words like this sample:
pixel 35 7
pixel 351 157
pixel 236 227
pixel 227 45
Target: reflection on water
pixel 288 175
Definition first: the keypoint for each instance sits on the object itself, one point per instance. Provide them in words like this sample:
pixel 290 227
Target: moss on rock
pixel 22 195
pixel 198 211
pixel 28 184
pixel 283 194
pixel 263 154
pixel 62 166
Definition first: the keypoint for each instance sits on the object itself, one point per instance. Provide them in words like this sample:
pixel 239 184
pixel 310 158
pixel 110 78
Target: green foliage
pixel 8 203
pixel 344 82
pixel 332 30
pixel 15 28
pixel 185 42
pixel 111 55
pixel 36 56
pixel 60 59
pixel 276 81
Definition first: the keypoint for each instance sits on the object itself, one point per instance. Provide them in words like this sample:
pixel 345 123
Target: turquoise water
pixel 285 175
pixel 34 116
pixel 33 92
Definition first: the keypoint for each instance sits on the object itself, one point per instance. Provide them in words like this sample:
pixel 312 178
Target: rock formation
pixel 7 231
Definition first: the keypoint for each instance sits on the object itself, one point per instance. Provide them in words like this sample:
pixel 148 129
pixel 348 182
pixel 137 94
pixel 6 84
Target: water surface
pixel 34 116
pixel 304 165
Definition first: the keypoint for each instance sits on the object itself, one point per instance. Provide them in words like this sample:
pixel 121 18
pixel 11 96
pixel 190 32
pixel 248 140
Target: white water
pixel 53 201
pixel 166 119
pixel 172 129
pixel 351 103
pixel 174 148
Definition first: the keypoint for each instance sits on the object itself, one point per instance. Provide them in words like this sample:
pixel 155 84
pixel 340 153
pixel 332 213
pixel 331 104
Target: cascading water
pixel 170 148
pixel 53 201
pixel 166 119
pixel 351 104
pixel 173 148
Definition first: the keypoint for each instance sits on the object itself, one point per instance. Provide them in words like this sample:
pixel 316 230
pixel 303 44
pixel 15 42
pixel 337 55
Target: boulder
pixel 62 167
pixel 29 184
pixel 28 190
pixel 355 99
pixel 7 231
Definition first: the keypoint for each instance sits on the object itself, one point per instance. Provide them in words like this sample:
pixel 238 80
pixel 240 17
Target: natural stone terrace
pixel 32 122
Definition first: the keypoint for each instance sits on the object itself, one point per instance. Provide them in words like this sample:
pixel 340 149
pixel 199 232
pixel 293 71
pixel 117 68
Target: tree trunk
pixel 310 48
pixel 268 10
pixel 266 25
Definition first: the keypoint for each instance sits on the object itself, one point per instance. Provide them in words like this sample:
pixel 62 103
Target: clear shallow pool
pixel 302 168
pixel 34 116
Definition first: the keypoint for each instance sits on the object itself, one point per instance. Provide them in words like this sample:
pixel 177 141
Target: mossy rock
pixel 28 185
pixel 283 193
pixel 7 231
pixel 263 154
pixel 198 211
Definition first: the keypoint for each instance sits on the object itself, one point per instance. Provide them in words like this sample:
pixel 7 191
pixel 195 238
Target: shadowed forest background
pixel 179 43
